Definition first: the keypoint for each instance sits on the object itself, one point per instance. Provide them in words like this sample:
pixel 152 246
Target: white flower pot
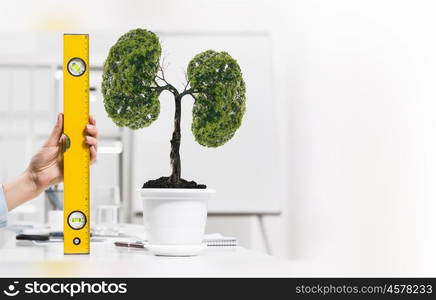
pixel 175 220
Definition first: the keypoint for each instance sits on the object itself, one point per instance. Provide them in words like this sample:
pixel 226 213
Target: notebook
pixel 218 240
pixel 211 240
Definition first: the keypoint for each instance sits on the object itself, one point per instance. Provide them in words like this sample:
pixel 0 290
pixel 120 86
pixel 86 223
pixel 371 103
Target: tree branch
pixel 188 92
pixel 157 84
pixel 171 89
pixel 195 98
pixel 168 86
pixel 186 86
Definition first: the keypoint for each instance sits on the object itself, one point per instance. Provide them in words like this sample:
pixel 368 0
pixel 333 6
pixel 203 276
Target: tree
pixel 133 79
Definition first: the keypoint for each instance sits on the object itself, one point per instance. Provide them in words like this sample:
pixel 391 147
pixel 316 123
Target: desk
pixel 106 260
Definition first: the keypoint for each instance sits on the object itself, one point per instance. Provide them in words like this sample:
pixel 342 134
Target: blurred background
pixel 336 159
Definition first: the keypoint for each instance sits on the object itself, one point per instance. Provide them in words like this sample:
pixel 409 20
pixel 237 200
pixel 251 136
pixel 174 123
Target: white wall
pixel 362 133
pixel 108 18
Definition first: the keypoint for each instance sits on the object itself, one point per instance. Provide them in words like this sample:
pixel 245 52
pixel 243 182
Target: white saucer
pixel 176 250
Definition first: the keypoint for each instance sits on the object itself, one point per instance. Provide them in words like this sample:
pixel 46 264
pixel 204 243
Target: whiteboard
pixel 245 172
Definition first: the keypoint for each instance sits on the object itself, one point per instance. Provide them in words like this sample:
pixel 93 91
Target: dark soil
pixel 164 183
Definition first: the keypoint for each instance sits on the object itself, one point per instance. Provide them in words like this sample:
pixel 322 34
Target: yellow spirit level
pixel 76 156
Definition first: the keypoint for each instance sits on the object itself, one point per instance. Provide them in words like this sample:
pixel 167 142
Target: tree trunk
pixel 175 143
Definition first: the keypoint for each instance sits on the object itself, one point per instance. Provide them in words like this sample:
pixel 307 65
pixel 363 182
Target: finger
pixel 56 133
pixel 92 120
pixel 93 153
pixel 91 130
pixel 91 141
pixel 63 144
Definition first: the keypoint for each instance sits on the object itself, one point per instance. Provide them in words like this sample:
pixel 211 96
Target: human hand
pixel 46 166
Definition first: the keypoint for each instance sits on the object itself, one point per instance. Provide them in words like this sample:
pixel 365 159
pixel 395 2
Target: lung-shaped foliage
pixel 220 97
pixel 128 79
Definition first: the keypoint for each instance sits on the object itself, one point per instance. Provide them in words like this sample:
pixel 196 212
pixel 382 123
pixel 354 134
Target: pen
pixel 32 237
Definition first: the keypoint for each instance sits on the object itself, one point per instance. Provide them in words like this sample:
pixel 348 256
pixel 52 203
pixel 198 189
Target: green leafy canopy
pixel 128 79
pixel 131 95
pixel 220 98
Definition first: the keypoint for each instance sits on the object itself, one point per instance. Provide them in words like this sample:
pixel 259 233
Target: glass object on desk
pixel 107 210
pixel 54 208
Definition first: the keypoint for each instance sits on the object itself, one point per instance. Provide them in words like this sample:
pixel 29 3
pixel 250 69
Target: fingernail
pixel 58 122
pixel 89 126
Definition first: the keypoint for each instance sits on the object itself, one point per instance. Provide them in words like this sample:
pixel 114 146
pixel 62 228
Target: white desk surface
pixel 106 260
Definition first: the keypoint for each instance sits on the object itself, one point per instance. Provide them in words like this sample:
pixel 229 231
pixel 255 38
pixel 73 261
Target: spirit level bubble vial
pixel 76 156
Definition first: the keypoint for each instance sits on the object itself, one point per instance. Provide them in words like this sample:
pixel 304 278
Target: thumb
pixel 56 133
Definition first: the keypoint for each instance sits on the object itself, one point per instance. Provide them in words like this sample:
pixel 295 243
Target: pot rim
pixel 176 194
